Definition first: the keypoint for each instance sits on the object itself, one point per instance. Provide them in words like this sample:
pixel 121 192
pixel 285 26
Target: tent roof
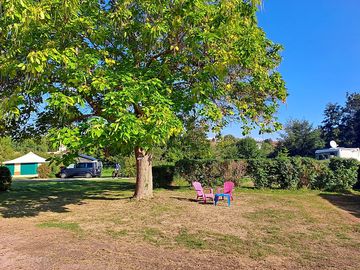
pixel 28 158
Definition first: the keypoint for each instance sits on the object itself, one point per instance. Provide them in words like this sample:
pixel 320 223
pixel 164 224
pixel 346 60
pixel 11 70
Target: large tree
pixel 350 122
pixel 127 73
pixel 342 123
pixel 300 138
pixel 248 148
pixel 330 129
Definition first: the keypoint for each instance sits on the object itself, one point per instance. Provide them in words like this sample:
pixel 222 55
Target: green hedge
pixel 291 173
pixel 344 174
pixel 285 173
pixel 211 172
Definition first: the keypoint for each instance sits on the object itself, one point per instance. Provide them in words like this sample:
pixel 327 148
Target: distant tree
pixel 300 138
pixel 267 148
pixel 193 143
pixel 34 145
pixel 342 123
pixel 330 128
pixel 226 148
pixel 248 148
pixel 7 150
pixel 350 126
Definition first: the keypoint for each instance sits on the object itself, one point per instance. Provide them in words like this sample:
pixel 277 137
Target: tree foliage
pixel 225 147
pixel 330 129
pixel 342 123
pixel 300 138
pixel 248 148
pixel 128 73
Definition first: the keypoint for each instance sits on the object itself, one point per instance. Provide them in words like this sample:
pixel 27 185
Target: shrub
pixel 211 172
pixel 310 171
pixel 203 171
pixel 291 173
pixel 163 175
pixel 128 167
pixel 5 178
pixel 287 172
pixel 234 170
pixel 283 172
pixel 345 173
pixel 44 171
pixel 262 171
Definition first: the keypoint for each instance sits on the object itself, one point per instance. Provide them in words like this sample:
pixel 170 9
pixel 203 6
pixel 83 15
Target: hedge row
pixel 284 173
pixel 211 172
pixel 291 173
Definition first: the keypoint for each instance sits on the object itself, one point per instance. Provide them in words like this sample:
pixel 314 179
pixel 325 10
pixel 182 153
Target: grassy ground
pixel 265 229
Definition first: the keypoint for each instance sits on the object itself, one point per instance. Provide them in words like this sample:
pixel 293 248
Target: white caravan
pixel 340 152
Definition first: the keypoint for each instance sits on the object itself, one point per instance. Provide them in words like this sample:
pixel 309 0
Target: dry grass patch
pixel 264 228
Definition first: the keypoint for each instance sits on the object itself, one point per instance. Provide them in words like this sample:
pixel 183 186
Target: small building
pixel 25 166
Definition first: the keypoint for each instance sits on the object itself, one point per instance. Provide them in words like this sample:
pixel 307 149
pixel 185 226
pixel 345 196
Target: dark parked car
pixel 87 169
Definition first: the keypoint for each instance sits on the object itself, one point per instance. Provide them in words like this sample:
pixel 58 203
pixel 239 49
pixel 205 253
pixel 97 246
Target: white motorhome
pixel 340 152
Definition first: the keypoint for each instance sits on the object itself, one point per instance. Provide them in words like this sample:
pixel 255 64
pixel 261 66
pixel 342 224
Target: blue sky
pixel 321 57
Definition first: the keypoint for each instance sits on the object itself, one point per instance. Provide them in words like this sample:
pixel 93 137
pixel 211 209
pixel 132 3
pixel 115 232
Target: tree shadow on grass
pixel 26 199
pixel 348 202
pixel 184 199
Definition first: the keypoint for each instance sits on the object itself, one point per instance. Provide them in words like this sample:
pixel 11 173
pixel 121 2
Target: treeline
pixel 341 123
pixel 10 148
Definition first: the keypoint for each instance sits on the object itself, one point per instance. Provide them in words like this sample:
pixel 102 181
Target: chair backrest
pixel 228 187
pixel 197 186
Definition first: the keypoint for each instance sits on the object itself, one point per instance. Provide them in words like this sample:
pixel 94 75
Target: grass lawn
pixel 93 224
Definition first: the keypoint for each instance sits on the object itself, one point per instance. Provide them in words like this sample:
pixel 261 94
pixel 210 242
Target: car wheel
pixel 63 175
pixel 88 175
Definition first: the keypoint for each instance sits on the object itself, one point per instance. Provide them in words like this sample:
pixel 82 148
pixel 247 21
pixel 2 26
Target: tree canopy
pixel 300 138
pixel 342 123
pixel 130 73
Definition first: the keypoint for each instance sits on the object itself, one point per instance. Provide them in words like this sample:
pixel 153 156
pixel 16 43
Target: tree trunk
pixel 144 179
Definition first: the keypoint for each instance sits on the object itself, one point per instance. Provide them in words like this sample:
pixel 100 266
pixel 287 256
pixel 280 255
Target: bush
pixel 5 178
pixel 234 170
pixel 291 173
pixel 310 171
pixel 163 175
pixel 128 166
pixel 261 172
pixel 345 174
pixel 287 172
pixel 44 171
pixel 211 172
pixel 282 172
pixel 203 171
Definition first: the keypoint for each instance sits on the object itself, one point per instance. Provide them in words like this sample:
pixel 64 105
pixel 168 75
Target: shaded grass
pixel 33 197
pixel 300 226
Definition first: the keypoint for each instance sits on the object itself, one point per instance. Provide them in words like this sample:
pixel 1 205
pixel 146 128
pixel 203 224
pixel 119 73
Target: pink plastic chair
pixel 200 192
pixel 228 189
